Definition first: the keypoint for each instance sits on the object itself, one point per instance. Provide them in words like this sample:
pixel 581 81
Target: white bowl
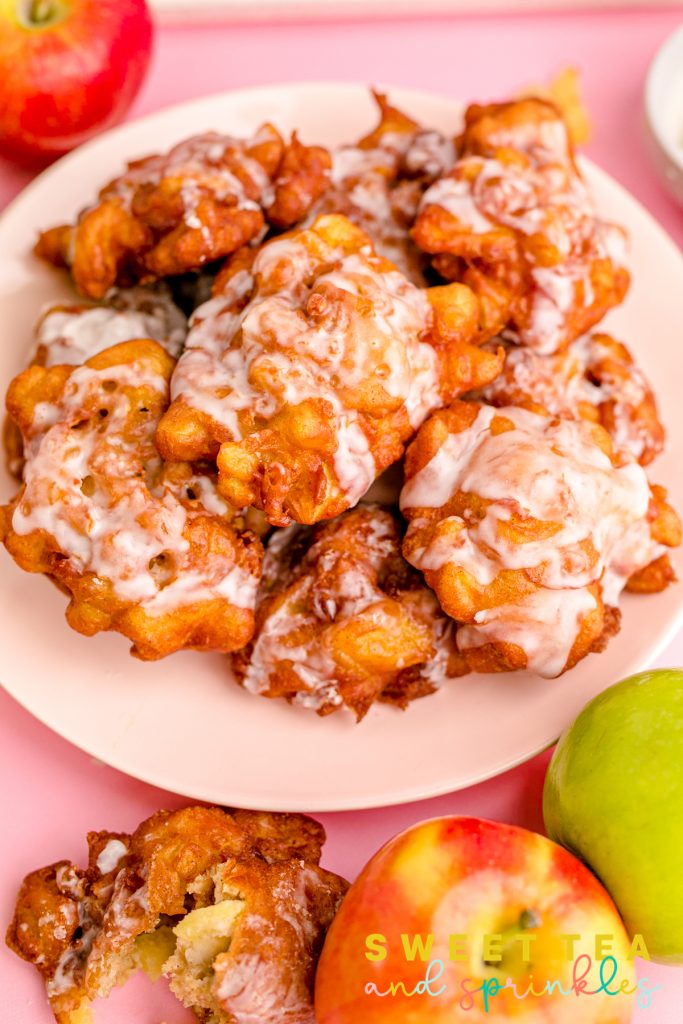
pixel 664 112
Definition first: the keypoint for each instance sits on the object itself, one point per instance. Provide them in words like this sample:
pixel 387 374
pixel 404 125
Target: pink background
pixel 52 793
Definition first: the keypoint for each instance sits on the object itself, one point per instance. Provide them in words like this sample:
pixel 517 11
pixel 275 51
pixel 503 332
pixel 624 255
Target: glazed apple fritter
pixel 343 620
pixel 595 378
pixel 378 183
pixel 514 220
pixel 141 547
pixel 70 333
pixel 171 213
pixel 528 527
pixel 311 367
pixel 231 906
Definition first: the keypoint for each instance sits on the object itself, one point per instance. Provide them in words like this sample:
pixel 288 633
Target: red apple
pixel 484 910
pixel 68 69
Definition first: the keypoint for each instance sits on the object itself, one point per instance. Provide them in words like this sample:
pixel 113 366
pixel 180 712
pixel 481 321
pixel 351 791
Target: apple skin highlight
pixel 68 69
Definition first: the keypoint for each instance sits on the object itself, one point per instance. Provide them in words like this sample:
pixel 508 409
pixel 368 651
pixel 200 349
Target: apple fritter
pixel 170 213
pixel 344 621
pixel 310 368
pixel 303 176
pixel 70 333
pixel 231 906
pixel 143 548
pixel 514 220
pixel 378 183
pixel 595 378
pixel 528 527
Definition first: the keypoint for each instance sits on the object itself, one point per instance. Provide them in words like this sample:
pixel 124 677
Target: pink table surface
pixel 51 792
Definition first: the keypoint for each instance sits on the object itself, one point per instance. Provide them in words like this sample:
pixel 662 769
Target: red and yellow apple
pixel 455 919
pixel 68 69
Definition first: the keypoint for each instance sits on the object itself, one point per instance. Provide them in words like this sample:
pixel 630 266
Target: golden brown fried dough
pixel 143 548
pixel 303 176
pixel 232 907
pixel 528 526
pixel 70 333
pixel 514 220
pixel 596 379
pixel 378 183
pixel 343 620
pixel 171 213
pixel 311 367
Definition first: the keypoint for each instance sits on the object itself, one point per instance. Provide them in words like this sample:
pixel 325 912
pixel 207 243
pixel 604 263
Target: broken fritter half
pixel 231 907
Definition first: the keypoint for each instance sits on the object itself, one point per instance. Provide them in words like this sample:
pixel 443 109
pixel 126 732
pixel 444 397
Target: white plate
pixel 181 723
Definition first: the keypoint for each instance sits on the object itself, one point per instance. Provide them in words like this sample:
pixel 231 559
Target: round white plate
pixel 182 723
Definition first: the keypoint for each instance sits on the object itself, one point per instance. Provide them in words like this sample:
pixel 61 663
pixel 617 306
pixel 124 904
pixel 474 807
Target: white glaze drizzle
pixel 564 382
pixel 129 520
pixel 270 353
pixel 72 334
pixel 544 625
pixel 429 154
pixel 294 631
pixel 362 186
pixel 548 470
pixel 203 163
pixel 110 856
pixel 545 196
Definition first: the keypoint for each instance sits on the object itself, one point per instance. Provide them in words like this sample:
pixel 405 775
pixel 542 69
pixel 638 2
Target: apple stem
pixel 41 11
pixel 527 920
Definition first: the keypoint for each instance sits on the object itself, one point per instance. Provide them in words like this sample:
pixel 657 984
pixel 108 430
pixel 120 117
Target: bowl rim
pixel 663 58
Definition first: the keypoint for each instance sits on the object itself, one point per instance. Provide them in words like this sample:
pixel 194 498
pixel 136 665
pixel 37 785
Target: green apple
pixel 614 796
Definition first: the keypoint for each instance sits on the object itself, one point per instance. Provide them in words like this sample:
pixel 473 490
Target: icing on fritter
pixel 123 521
pixel 219 164
pixel 324 332
pixel 540 196
pixel 325 587
pixel 594 378
pixel 549 503
pixel 123 531
pixel 71 334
